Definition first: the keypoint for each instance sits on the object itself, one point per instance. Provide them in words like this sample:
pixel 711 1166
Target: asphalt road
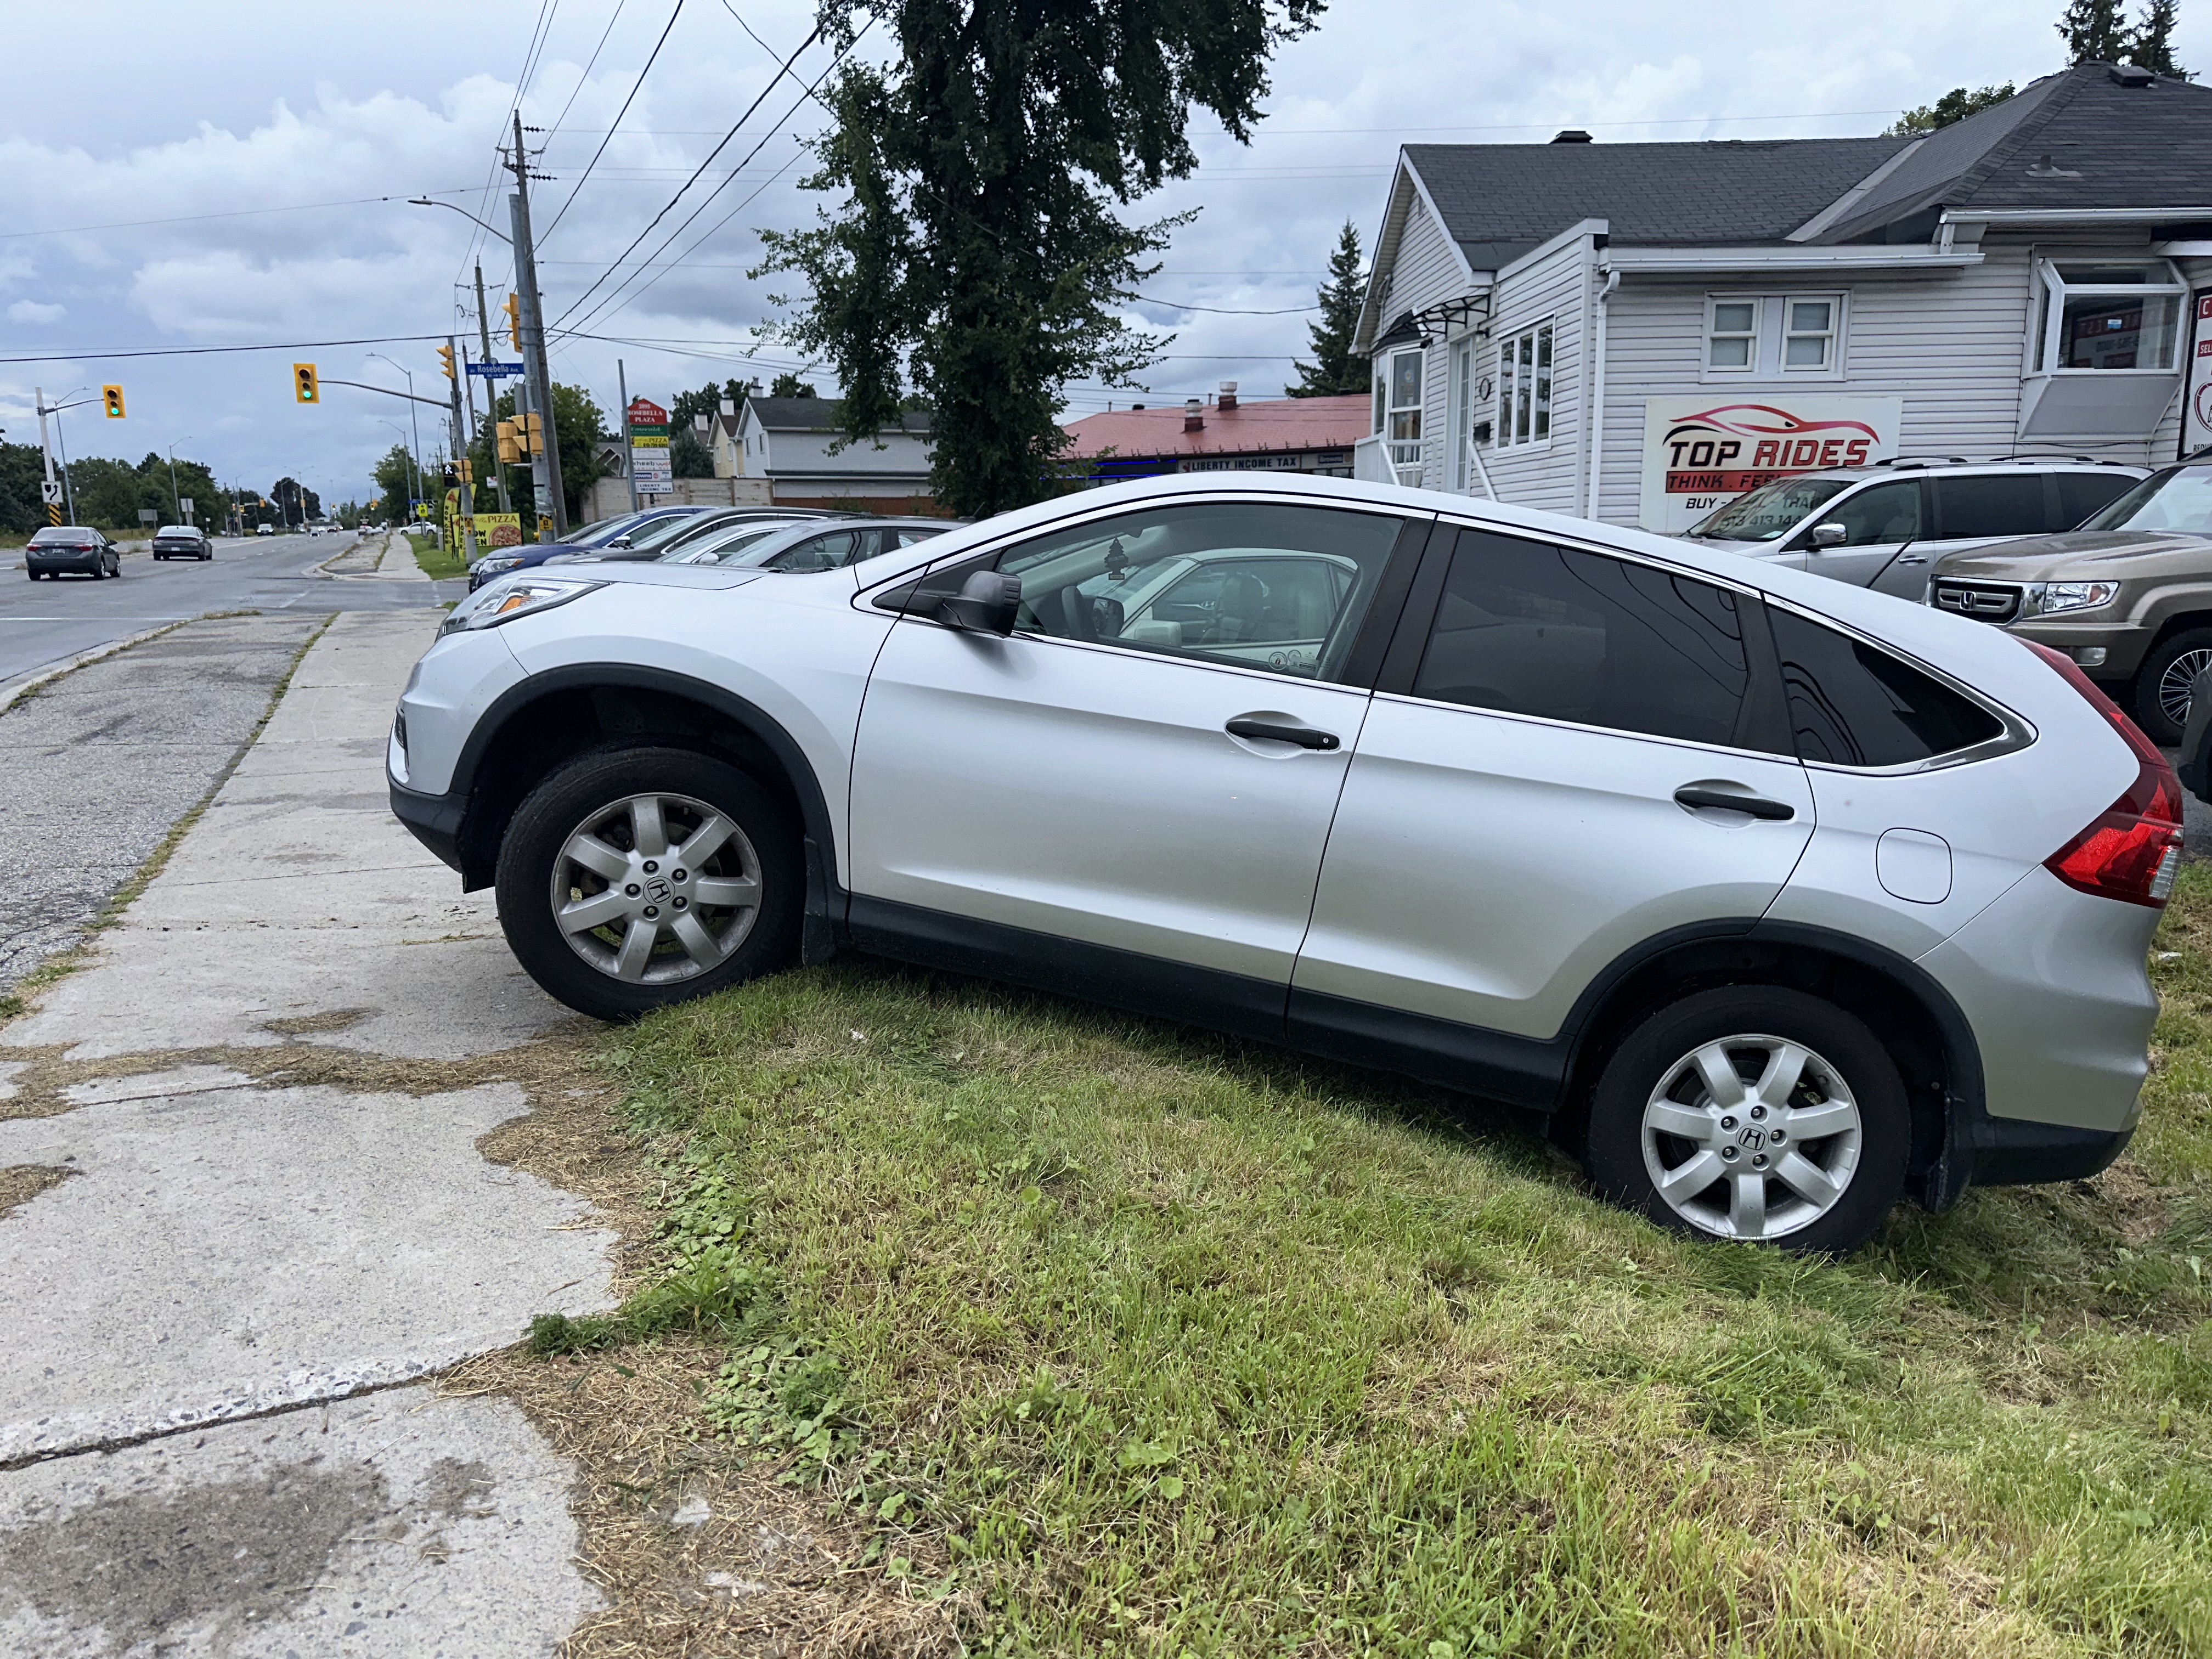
pixel 43 624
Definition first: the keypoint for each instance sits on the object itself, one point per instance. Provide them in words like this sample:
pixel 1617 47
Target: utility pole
pixel 53 506
pixel 461 450
pixel 491 391
pixel 534 329
pixel 69 488
pixel 621 386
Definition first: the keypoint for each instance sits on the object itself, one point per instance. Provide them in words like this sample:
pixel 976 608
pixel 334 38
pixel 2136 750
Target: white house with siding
pixel 2034 280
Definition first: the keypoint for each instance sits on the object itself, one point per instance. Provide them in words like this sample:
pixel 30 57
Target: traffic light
pixel 533 433
pixel 510 447
pixel 468 469
pixel 112 398
pixel 445 356
pixel 304 386
pixel 513 309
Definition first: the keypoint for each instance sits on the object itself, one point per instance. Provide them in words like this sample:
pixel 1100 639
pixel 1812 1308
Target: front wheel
pixel 632 878
pixel 1753 1113
pixel 2162 688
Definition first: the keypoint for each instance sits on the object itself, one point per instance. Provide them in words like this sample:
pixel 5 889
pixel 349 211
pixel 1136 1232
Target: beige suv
pixel 2128 596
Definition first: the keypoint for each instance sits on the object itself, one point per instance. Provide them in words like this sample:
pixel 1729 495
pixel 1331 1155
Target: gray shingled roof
pixel 2110 146
pixel 816 415
pixel 1500 200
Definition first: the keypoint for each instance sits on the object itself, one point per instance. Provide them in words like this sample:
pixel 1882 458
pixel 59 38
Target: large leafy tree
pixel 977 254
pixel 395 481
pixel 1336 368
pixel 1952 107
pixel 2153 45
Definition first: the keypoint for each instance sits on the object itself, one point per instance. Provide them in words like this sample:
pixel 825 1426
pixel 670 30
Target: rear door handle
pixel 1244 726
pixel 1757 806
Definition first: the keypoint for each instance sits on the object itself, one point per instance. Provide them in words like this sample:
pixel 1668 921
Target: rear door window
pixel 1524 628
pixel 2080 493
pixel 1853 704
pixel 1996 504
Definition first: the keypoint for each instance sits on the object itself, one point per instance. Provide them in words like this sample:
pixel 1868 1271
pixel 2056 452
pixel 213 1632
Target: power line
pixel 712 232
pixel 813 35
pixel 633 87
pixel 613 18
pixel 98 355
pixel 235 213
pixel 1223 311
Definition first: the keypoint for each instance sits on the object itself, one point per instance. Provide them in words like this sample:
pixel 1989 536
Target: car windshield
pixel 714 548
pixel 599 534
pixel 662 531
pixel 2177 500
pixel 1770 511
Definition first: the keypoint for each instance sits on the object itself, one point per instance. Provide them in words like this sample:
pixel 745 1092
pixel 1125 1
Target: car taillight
pixel 2132 849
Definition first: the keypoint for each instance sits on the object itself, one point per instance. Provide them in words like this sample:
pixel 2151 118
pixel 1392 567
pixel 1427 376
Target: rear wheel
pixel 1753 1113
pixel 633 878
pixel 2162 687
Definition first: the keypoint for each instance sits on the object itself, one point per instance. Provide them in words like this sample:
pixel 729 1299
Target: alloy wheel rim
pixel 655 888
pixel 2174 684
pixel 1751 1137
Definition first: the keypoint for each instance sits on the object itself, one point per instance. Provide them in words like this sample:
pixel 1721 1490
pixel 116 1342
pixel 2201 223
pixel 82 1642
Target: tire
pixel 2162 696
pixel 1829 1198
pixel 591 806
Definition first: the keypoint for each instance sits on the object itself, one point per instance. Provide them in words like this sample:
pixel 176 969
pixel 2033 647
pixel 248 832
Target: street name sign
pixel 494 371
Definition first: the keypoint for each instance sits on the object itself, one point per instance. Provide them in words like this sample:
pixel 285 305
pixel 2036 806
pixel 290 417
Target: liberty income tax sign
pixel 649 467
pixel 1703 450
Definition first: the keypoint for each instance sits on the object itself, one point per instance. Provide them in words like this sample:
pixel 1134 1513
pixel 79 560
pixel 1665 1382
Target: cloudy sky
pixel 236 174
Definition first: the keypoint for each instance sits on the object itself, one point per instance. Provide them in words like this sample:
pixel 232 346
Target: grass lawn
pixel 1128 1339
pixel 437 563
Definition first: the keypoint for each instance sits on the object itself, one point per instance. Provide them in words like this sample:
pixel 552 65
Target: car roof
pixel 1910 467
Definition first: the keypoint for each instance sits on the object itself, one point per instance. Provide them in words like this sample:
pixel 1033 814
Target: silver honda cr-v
pixel 1782 898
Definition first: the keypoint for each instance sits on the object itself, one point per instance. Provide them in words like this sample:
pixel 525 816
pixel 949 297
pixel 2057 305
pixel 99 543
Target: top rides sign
pixel 1699 452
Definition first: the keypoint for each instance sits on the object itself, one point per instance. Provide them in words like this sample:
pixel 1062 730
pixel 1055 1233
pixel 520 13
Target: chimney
pixel 729 408
pixel 1570 135
pixel 1193 414
pixel 699 423
pixel 1229 394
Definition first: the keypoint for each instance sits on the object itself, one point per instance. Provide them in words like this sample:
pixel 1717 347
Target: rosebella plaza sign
pixel 1700 452
pixel 649 468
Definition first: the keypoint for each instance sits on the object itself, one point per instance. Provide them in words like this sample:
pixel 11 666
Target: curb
pixel 15 690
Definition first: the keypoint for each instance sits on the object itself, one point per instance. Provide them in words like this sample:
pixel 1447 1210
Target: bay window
pixel 2102 318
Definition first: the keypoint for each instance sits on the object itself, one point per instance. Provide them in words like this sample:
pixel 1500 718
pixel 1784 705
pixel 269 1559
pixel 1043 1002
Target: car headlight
pixel 2052 597
pixel 525 597
pixel 491 565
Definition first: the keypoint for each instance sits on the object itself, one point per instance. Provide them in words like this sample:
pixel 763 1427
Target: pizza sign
pixel 1700 452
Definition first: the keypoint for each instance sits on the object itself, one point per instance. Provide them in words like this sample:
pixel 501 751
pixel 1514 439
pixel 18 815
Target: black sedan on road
pixel 181 541
pixel 71 547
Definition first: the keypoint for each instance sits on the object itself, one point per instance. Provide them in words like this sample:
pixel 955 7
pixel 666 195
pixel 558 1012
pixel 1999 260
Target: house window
pixel 1403 416
pixel 1809 336
pixel 2109 317
pixel 1732 335
pixel 1524 388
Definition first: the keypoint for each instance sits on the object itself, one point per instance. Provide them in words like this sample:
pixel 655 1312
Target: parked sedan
pixel 656 542
pixel 809 545
pixel 71 547
pixel 1780 899
pixel 182 541
pixel 591 537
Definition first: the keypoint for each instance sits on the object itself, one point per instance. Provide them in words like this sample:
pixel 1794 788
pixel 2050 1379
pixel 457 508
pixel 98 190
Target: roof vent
pixel 1570 135
pixel 2130 74
pixel 1136 405
pixel 1228 394
pixel 1193 414
pixel 2044 168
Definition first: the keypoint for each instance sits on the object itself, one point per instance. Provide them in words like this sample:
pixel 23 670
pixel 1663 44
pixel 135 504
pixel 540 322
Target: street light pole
pixel 491 391
pixel 411 421
pixel 174 495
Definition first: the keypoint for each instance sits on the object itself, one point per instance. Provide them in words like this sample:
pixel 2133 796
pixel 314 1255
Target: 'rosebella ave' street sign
pixel 649 467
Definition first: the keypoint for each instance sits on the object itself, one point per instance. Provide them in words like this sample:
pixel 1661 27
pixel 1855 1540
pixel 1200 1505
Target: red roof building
pixel 1281 435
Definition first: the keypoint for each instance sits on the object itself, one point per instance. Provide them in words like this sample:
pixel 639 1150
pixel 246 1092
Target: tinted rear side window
pixel 1851 704
pixel 2002 504
pixel 1527 628
pixel 2080 493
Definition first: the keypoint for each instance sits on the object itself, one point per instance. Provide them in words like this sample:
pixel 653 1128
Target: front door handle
pixel 1245 726
pixel 1757 806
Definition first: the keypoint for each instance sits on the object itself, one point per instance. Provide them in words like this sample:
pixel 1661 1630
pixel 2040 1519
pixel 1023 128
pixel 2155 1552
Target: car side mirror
pixel 1107 619
pixel 619 541
pixel 988 602
pixel 1831 534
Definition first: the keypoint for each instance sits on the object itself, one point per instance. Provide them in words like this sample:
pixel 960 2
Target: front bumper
pixel 2104 650
pixel 434 820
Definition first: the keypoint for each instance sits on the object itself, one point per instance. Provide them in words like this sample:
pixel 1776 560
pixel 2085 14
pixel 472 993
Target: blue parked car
pixel 605 533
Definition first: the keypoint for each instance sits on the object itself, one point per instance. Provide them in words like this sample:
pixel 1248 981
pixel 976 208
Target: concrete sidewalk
pixel 222 1287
